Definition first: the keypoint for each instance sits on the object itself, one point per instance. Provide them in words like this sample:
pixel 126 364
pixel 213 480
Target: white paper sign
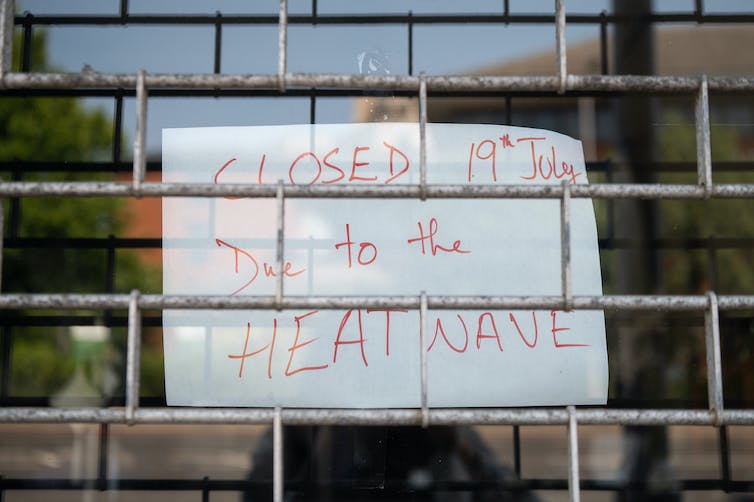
pixel 370 358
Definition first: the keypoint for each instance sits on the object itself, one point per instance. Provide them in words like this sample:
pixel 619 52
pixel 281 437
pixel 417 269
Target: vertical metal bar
pixel 699 10
pixel 314 11
pixel 714 367
pixel 2 235
pixel 124 9
pixel 313 108
pixel 506 10
pixel 560 43
pixel 7 344
pixel 6 340
pixel 118 127
pixel 104 434
pixel 7 11
pixel 282 43
pixel 603 42
pixel 14 212
pixel 703 148
pixel 141 133
pixel 277 456
pixel 26 47
pixel 423 135
pixel 565 246
pixel 423 357
pixel 110 275
pixel 724 456
pixel 280 250
pixel 574 489
pixel 133 356
pixel 410 42
pixel 218 41
pixel 205 489
pixel 508 110
pixel 517 451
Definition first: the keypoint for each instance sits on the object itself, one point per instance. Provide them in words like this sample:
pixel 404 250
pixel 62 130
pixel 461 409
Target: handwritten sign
pixel 370 357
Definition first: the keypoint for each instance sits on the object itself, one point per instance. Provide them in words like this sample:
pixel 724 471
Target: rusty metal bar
pixel 597 190
pixel 133 356
pixel 140 142
pixel 714 366
pixel 322 416
pixel 7 11
pixel 647 303
pixel 703 148
pixel 653 84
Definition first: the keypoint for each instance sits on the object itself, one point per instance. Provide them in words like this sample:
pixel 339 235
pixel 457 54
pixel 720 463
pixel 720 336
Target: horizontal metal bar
pixel 389 488
pixel 29 166
pixel 156 243
pixel 665 303
pixel 622 83
pixel 437 416
pixel 375 19
pixel 597 190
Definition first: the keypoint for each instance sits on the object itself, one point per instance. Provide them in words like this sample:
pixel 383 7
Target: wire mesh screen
pixel 663 100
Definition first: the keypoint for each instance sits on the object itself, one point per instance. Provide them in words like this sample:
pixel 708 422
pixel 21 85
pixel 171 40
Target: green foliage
pixel 62 130
pixel 41 362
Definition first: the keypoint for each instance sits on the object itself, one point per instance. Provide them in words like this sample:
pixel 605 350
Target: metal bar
pixel 205 489
pixel 423 358
pixel 390 490
pixel 2 236
pixel 7 11
pixel 603 43
pixel 280 245
pixel 402 416
pixel 118 128
pixel 410 43
pixel 603 166
pixel 102 455
pixel 140 146
pixel 703 149
pixel 724 456
pixel 573 457
pixel 5 352
pixel 110 275
pixel 380 19
pixel 660 303
pixel 282 44
pixel 27 42
pixel 124 8
pixel 423 137
pixel 654 84
pixel 133 357
pixel 218 42
pixel 517 450
pixel 277 456
pixel 565 246
pixel 560 45
pixel 597 190
pixel 714 366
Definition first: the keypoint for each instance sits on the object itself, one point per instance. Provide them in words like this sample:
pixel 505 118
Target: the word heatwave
pixel 386 163
pixel 485 331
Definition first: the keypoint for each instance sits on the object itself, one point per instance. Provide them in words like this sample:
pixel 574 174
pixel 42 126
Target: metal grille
pixel 144 85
